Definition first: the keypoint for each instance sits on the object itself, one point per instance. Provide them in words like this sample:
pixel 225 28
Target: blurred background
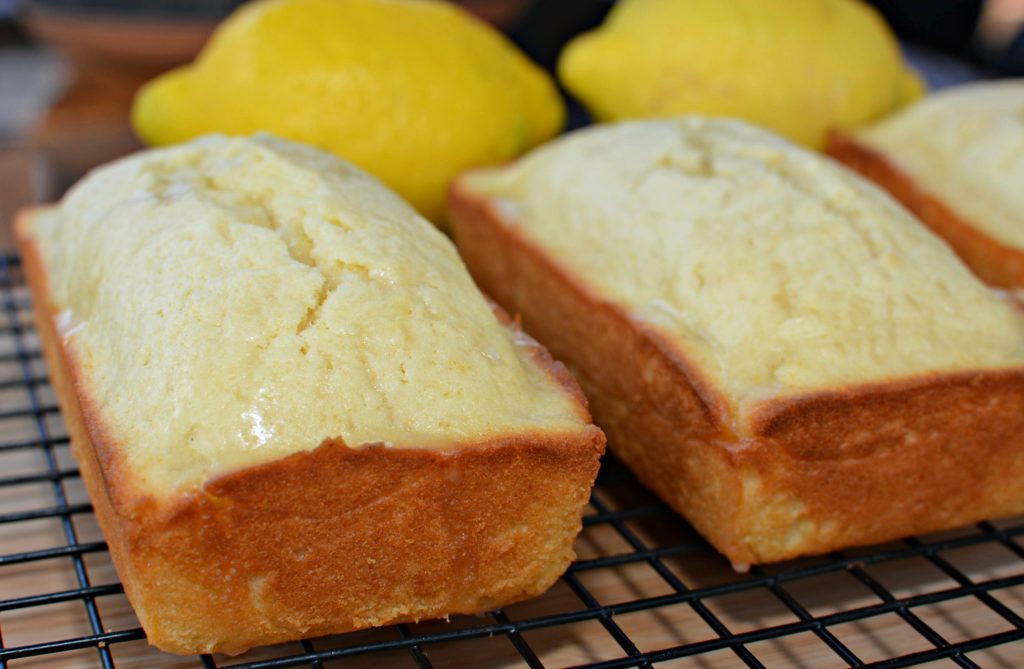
pixel 70 68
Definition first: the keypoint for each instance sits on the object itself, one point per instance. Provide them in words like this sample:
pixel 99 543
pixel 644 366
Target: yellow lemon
pixel 799 67
pixel 413 91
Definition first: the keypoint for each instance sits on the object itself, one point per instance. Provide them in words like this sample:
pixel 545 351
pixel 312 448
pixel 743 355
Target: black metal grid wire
pixel 636 532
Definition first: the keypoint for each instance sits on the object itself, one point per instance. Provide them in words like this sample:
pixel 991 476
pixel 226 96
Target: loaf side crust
pixel 993 262
pixel 332 539
pixel 807 475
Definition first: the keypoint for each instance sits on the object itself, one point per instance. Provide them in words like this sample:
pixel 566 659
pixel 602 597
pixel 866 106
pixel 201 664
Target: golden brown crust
pixel 331 539
pixel 807 475
pixel 540 355
pixel 994 262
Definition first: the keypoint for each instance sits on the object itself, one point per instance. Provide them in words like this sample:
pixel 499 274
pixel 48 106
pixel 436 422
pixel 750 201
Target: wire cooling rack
pixel 645 591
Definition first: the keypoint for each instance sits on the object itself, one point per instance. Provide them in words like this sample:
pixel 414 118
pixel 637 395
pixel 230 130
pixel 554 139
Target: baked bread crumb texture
pixel 773 344
pixel 293 411
pixel 233 300
pixel 964 145
pixel 778 272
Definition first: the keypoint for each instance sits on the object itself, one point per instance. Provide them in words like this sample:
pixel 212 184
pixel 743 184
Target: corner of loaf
pixel 774 345
pixel 955 159
pixel 294 412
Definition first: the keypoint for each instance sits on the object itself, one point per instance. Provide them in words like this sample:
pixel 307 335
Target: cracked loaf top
pixel 964 145
pixel 232 301
pixel 775 270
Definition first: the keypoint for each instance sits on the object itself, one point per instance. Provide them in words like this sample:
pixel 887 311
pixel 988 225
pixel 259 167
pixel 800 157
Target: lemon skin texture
pixel 798 67
pixel 413 91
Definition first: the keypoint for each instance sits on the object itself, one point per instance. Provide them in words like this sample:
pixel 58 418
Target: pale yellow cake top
pixel 233 301
pixel 964 145
pixel 776 270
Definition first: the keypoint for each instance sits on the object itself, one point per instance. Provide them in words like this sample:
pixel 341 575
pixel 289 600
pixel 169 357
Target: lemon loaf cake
pixel 294 412
pixel 773 344
pixel 956 159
